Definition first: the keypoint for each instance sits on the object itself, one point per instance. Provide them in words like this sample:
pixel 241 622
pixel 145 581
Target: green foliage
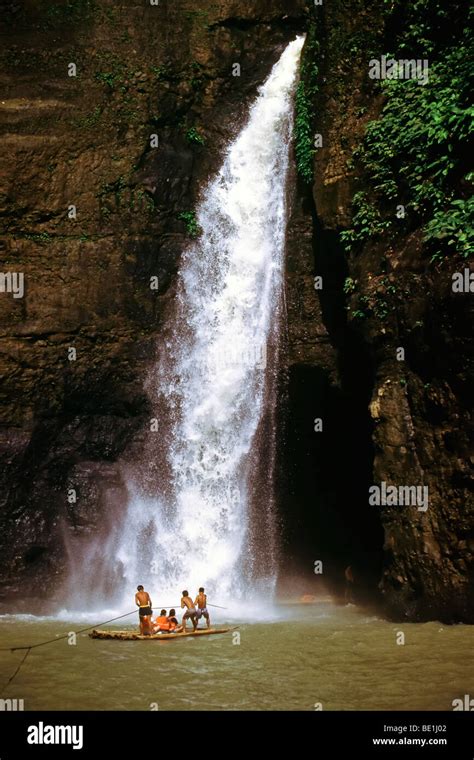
pixel 39 237
pixel 381 308
pixel 424 23
pixel 162 73
pixel 143 200
pixel 366 222
pixel 192 227
pixel 194 137
pixel 388 286
pixel 114 71
pixel 453 226
pixel 197 79
pixel 196 15
pixel 303 134
pixel 108 77
pixel 349 286
pixel 376 303
pixel 360 43
pixel 91 119
pixel 414 153
pixel 117 74
pixel 305 107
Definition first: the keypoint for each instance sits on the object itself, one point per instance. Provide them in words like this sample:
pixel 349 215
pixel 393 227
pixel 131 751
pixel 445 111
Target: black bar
pixel 446 734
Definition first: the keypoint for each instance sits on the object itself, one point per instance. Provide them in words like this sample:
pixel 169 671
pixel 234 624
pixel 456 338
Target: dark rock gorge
pixel 84 141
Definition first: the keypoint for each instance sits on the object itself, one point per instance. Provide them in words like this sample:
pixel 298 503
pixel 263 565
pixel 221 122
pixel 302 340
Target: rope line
pixel 60 638
pixel 83 630
pixel 16 671
pixel 66 636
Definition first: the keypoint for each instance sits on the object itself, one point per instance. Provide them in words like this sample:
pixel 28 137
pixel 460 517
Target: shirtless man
pixel 201 602
pixel 190 613
pixel 143 602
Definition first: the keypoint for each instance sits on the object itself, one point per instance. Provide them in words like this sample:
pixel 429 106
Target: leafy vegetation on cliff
pixel 413 155
pixel 194 137
pixel 192 226
pixel 304 107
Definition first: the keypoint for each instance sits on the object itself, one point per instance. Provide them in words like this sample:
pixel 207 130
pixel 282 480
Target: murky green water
pixel 337 656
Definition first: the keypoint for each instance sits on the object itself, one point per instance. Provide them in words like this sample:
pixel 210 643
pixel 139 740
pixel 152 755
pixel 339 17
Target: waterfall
pixel 201 499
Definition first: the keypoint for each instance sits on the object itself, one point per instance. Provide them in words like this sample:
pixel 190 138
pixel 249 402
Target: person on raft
pixel 164 623
pixel 191 612
pixel 173 621
pixel 201 603
pixel 161 624
pixel 144 604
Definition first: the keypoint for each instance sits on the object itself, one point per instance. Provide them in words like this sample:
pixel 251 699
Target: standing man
pixel 190 613
pixel 143 602
pixel 201 602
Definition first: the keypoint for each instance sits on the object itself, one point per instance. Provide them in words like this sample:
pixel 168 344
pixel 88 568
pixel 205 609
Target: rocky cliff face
pixel 128 140
pixel 90 89
pixel 396 298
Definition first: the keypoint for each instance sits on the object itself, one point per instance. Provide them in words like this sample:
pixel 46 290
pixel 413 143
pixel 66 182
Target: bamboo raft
pixel 132 636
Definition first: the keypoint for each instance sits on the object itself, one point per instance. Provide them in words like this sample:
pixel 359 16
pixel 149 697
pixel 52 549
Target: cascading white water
pixel 190 520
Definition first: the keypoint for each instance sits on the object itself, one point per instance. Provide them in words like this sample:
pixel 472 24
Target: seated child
pixel 161 623
pixel 173 621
